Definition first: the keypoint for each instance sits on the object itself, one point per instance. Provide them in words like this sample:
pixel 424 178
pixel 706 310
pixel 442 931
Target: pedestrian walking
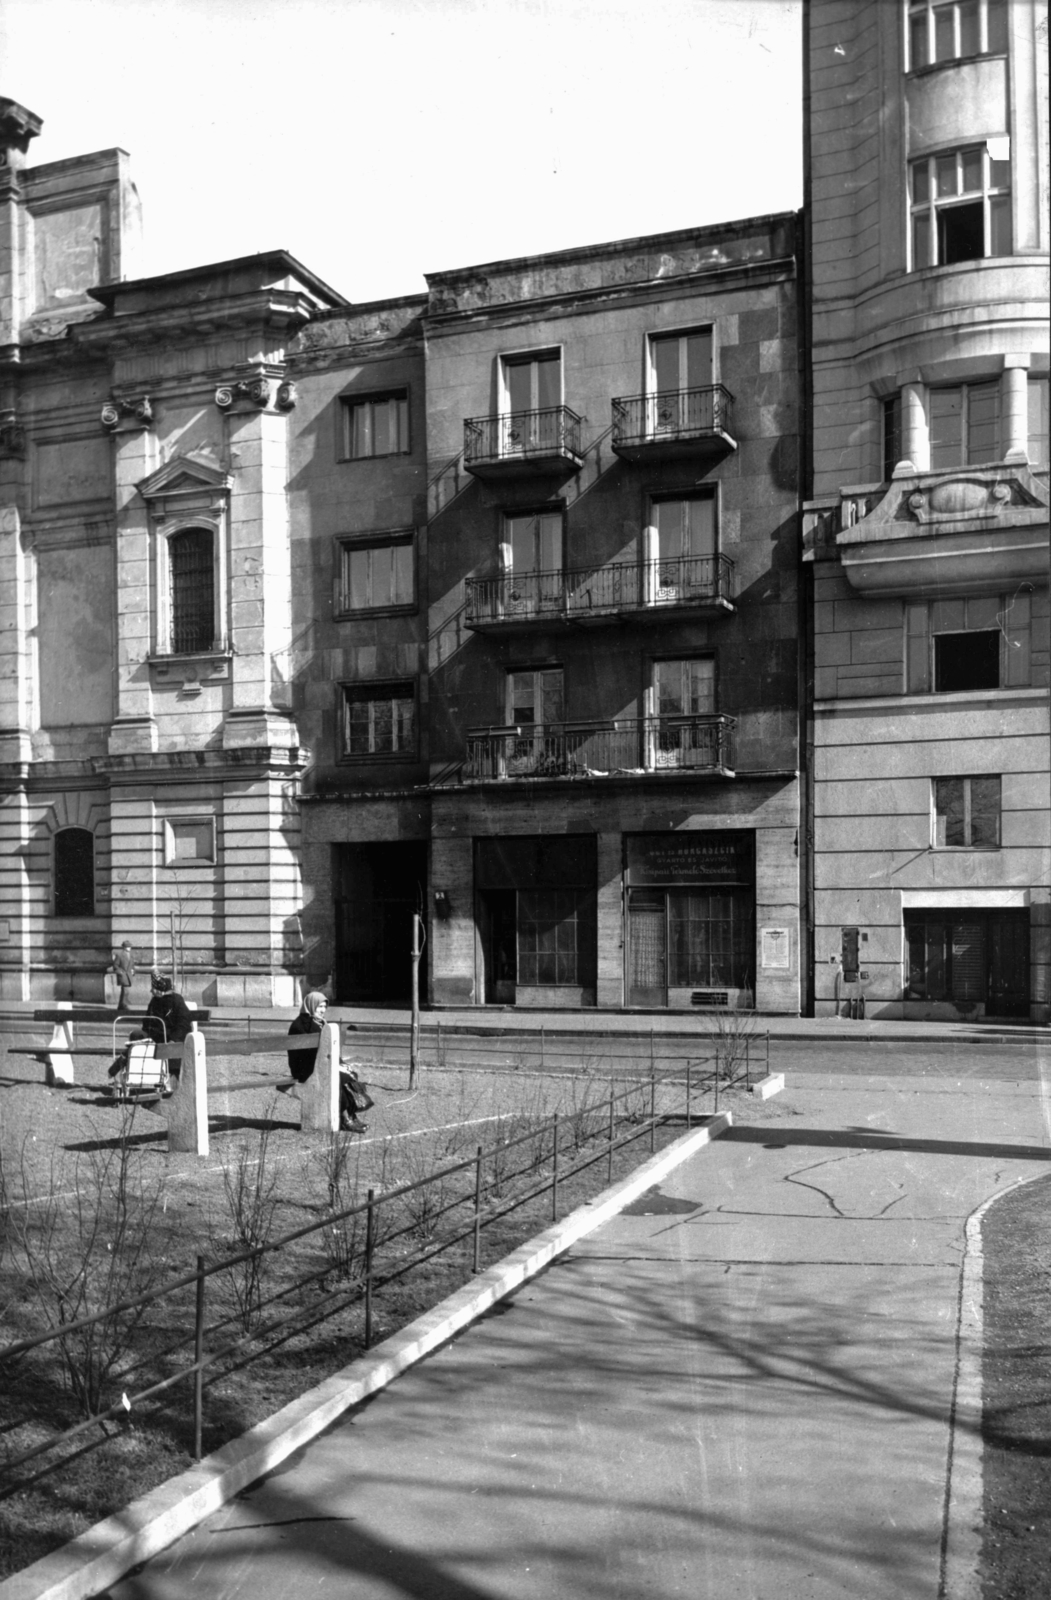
pixel 123 967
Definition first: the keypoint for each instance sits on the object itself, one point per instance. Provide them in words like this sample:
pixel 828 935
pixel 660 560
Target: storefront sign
pixel 775 947
pixel 724 858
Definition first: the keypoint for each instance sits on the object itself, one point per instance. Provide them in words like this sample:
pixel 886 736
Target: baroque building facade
pixel 926 536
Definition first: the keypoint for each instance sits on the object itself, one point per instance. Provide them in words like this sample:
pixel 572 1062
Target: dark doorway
pixel 970 957
pixel 377 889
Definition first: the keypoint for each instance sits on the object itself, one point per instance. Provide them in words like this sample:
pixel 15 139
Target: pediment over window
pixel 186 483
pixel 959 500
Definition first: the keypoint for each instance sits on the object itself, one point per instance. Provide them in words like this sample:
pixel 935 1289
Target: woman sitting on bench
pixel 352 1095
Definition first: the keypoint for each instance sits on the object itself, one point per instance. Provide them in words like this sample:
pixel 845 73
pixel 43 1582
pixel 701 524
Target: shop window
pixel 1038 422
pixel 379 719
pixel 964 424
pixel 376 425
pixel 954 31
pixel 556 936
pixel 710 940
pixel 376 575
pixel 967 813
pixel 74 872
pixel 961 207
pixel 984 642
pixel 191 593
pixel 970 958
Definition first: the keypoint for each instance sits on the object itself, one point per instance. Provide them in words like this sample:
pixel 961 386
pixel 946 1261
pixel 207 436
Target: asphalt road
pixel 742 1389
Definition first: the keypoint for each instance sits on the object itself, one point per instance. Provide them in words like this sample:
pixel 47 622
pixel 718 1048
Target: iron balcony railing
pixel 634 745
pixel 520 434
pixel 673 415
pixel 678 582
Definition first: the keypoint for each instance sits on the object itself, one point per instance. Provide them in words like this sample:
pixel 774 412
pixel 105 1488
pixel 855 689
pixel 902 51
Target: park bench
pixel 58 1053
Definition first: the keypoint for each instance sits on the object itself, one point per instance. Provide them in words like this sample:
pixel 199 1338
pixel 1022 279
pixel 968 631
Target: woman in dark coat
pixel 352 1097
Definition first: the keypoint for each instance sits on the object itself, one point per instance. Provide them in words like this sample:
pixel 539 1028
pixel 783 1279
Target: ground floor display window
pixel 691 918
pixel 536 905
pixel 970 958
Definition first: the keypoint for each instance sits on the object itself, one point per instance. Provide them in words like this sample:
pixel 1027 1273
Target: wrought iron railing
pixel 679 581
pixel 552 432
pixel 673 414
pixel 602 749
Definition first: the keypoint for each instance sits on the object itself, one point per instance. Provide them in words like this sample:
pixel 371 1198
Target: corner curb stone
pixel 87 1565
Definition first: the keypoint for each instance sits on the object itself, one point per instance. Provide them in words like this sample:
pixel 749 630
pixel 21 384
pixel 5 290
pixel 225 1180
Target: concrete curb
pixel 98 1557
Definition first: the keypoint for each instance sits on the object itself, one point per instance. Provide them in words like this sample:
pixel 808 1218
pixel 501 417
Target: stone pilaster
pixel 136 456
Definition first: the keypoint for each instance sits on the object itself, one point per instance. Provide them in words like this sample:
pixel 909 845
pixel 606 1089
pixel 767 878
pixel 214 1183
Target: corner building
pixel 926 536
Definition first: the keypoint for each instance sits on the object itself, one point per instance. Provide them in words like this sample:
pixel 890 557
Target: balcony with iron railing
pixel 645 591
pixel 622 747
pixel 674 423
pixel 523 443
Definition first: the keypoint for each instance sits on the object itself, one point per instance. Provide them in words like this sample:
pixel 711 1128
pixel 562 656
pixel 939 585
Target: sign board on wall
pixel 775 947
pixel 725 857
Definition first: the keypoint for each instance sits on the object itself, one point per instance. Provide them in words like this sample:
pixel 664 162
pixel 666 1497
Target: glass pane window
pixel 1038 422
pixel 684 688
pixel 961 207
pixel 556 937
pixel 376 576
pixel 535 698
pixel 532 382
pixel 967 813
pixel 685 527
pixel 710 940
pixel 891 434
pixel 964 423
pixel 681 360
pixel 940 32
pixel 379 720
pixel 535 540
pixel 192 590
pixel 377 425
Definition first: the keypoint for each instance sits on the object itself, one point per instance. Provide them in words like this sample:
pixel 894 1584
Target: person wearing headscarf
pixel 168 1018
pixel 352 1096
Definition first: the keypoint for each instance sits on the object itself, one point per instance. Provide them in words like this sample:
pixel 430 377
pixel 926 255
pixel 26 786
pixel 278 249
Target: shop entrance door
pixel 647 950
pixel 1009 965
pixel 499 932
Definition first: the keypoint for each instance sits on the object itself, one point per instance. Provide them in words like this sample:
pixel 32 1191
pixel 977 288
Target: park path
pixel 739 1389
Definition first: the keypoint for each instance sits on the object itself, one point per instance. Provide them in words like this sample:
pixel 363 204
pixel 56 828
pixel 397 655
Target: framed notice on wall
pixel 775 947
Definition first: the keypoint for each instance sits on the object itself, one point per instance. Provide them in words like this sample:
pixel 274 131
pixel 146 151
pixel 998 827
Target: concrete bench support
pixel 319 1096
pixel 188 1106
pixel 59 1062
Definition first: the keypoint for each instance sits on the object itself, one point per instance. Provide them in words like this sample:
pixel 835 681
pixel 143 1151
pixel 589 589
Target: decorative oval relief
pixel 962 494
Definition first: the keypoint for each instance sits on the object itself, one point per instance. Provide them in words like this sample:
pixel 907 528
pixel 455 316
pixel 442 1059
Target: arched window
pixel 192 591
pixel 75 873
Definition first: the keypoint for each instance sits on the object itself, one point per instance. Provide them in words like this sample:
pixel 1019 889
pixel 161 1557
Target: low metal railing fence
pixel 552 431
pixel 672 414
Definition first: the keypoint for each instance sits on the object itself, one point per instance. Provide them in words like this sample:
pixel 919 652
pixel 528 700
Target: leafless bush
pixel 250 1192
pixel 344 1237
pixel 90 1249
pixel 732 1034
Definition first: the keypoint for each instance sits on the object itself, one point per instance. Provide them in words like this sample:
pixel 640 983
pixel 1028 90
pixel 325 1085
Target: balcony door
pixel 532 393
pixel 680 364
pixel 683 561
pixel 533 549
pixel 683 691
pixel 535 708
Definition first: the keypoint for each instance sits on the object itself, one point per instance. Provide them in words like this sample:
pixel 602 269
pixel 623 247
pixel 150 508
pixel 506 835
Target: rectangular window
pixel 684 688
pixel 984 642
pixel 556 937
pixel 535 699
pixel 534 541
pixel 964 424
pixel 379 719
pixel 1038 422
pixel 376 425
pixel 532 382
pixel 376 576
pixel 961 207
pixel 954 31
pixel 967 813
pixel 891 435
pixel 191 556
pixel 680 361
pixel 966 661
pixel 710 940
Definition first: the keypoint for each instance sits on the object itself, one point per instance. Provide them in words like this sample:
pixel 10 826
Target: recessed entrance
pixel 970 958
pixel 377 889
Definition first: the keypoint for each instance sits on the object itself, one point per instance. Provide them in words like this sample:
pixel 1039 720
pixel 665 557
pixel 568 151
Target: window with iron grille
pixel 379 719
pixel 961 207
pixel 953 31
pixel 74 873
pixel 191 555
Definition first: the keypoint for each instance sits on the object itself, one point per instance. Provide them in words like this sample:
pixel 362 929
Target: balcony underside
pixel 677 447
pixel 525 621
pixel 555 464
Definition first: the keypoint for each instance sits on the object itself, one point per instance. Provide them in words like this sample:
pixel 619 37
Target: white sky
pixel 381 139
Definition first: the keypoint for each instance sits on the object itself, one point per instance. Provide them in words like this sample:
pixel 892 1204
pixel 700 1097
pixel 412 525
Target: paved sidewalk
pixel 742 1387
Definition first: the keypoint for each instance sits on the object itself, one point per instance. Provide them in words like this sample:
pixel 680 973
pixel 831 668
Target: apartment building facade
pixel 926 536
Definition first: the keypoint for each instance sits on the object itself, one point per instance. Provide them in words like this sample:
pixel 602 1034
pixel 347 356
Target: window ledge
pixel 382 758
pixel 347 614
pixel 956 61
pixel 945 702
pixel 193 668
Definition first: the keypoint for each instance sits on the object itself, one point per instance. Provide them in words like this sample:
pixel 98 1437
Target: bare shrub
pixel 732 1034
pixel 89 1250
pixel 343 1239
pixel 250 1193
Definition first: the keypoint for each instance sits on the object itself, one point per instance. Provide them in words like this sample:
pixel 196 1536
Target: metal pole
pixel 653 1110
pixel 438 1061
pixel 171 932
pixel 477 1208
pixel 198 1354
pixel 370 1236
pixel 543 1055
pixel 747 1078
pixel 688 1066
pixel 717 1085
pixel 414 1040
pixel 609 1152
pixel 651 1048
pixel 554 1174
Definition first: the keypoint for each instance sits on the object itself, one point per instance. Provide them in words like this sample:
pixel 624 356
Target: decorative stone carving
pixel 287 395
pixel 116 411
pixel 12 437
pixel 255 390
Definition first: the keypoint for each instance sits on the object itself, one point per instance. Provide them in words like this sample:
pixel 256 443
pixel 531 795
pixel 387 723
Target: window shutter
pixel 917 650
